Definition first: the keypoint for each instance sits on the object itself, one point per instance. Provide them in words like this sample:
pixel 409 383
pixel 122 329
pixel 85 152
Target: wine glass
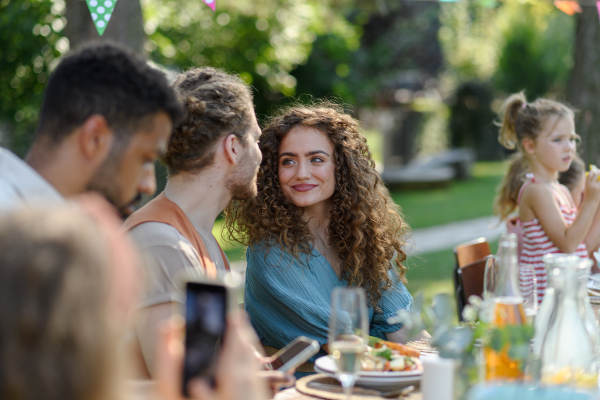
pixel 348 334
pixel 528 286
pixel 490 277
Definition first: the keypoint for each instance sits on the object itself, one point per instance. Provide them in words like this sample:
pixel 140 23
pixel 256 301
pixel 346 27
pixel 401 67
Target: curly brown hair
pixel 366 229
pixel 216 104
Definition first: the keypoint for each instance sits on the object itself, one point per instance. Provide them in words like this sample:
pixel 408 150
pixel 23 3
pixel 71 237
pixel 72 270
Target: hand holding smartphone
pixel 206 307
pixel 294 354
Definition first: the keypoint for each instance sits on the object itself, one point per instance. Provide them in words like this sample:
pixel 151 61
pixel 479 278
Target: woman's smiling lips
pixel 304 187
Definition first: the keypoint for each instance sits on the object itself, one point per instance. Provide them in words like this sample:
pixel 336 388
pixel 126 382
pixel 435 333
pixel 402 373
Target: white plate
pixel 380 383
pixel 327 364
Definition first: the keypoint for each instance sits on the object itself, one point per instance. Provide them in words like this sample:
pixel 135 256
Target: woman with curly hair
pixel 322 219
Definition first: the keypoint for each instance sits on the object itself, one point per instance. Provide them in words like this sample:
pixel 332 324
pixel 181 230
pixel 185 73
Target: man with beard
pixel 106 116
pixel 212 157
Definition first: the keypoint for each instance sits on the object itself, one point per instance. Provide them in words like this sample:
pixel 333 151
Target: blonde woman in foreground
pixel 68 286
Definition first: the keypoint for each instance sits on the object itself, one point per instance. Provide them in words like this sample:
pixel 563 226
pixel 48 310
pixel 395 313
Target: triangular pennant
pixel 569 7
pixel 101 11
pixel 210 3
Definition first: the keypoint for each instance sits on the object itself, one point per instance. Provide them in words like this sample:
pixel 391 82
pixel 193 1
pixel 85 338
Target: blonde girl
pixel 544 134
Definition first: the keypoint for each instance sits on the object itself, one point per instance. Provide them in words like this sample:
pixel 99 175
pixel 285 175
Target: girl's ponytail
pixel 521 120
pixel 510 109
pixel 508 191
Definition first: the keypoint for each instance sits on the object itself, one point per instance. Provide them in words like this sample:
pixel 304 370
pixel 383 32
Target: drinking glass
pixel 348 334
pixel 490 277
pixel 490 283
pixel 528 285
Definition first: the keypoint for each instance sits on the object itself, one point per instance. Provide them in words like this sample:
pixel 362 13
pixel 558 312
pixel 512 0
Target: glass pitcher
pixel 543 316
pixel 569 349
pixel 508 313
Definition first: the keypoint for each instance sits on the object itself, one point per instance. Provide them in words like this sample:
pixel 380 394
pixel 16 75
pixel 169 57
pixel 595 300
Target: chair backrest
pixel 472 278
pixel 466 254
pixel 471 251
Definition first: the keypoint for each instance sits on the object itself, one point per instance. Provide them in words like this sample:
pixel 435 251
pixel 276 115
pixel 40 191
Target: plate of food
pixel 385 365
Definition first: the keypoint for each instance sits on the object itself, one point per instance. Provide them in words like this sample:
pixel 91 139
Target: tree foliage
pixel 31 42
pixel 286 48
pixel 262 40
pixel 519 45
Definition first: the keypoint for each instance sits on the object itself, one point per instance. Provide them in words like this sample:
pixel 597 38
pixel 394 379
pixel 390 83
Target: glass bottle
pixel 543 316
pixel 508 312
pixel 569 351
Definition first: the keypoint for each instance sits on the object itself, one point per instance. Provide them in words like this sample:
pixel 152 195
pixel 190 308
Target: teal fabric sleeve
pixel 286 298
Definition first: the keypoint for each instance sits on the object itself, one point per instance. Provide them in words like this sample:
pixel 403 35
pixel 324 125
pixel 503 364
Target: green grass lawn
pixel 431 273
pixel 461 201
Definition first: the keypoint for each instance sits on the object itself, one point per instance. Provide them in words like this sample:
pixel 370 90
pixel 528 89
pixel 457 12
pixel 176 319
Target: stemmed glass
pixel 528 286
pixel 490 277
pixel 348 334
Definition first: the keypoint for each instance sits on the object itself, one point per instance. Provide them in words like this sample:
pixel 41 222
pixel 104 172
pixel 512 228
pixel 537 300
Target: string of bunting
pixel 102 10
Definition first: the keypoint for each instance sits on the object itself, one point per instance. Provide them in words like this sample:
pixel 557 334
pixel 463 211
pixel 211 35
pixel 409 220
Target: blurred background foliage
pixel 440 68
pixel 359 51
pixel 31 42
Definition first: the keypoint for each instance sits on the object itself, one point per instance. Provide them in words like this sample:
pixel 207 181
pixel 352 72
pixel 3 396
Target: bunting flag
pixel 569 7
pixel 101 11
pixel 210 3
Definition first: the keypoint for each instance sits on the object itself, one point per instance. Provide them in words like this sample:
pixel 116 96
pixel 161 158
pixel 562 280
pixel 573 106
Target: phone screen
pixel 205 319
pixel 292 352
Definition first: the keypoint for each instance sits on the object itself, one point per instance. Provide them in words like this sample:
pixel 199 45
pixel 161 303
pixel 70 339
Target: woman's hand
pixel 236 372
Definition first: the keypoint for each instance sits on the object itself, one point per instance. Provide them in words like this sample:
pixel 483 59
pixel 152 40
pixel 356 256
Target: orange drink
pixel 498 364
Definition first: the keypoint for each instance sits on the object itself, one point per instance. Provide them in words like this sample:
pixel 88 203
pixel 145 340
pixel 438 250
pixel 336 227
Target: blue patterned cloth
pixel 286 299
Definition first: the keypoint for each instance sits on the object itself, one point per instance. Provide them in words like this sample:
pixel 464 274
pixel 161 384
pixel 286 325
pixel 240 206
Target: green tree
pixel 263 41
pixel 31 41
pixel 518 44
pixel 535 57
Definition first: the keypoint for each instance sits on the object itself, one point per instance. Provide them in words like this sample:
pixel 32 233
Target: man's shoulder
pixel 20 184
pixel 9 198
pixel 151 234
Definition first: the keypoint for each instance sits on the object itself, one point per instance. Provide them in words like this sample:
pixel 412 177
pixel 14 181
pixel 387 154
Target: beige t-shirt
pixel 170 255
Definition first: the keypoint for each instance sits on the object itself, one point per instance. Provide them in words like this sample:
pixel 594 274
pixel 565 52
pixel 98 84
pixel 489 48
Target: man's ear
pixel 233 148
pixel 529 146
pixel 95 139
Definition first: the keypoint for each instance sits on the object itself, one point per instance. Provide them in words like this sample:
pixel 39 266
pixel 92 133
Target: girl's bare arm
pixel 538 202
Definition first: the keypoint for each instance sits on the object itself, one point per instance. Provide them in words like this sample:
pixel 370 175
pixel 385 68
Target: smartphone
pixel 295 354
pixel 206 306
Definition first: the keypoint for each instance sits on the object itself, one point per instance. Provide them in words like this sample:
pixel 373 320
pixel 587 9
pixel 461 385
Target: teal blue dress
pixel 286 299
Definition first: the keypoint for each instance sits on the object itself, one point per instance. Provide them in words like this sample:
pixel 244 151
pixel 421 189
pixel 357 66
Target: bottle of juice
pixel 508 311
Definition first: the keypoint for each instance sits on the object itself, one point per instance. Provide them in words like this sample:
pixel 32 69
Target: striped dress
pixel 536 243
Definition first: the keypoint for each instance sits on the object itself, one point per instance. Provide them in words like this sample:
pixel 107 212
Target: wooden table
pixel 293 394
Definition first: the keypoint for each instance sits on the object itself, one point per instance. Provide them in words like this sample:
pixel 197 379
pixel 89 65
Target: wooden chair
pixel 472 278
pixel 471 251
pixel 466 254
